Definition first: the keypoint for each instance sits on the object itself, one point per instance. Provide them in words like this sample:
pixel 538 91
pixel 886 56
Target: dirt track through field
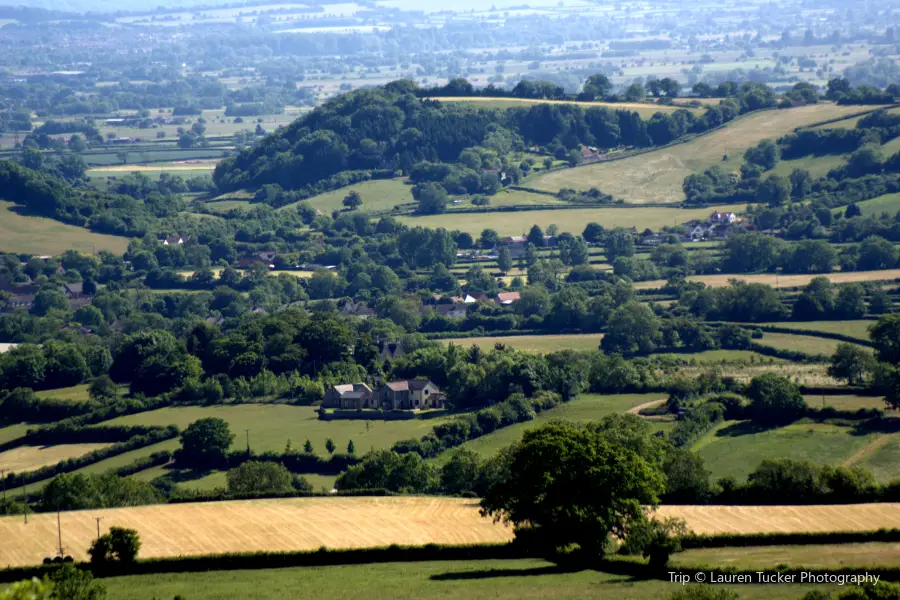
pixel 868 450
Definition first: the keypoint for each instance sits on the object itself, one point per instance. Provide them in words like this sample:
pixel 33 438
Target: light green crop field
pixel 448 580
pixel 802 343
pixel 857 329
pixel 736 449
pixel 586 407
pixel 537 344
pixel 657 176
pixel 272 425
pixel 571 220
pixel 377 195
pixel 644 109
pixel 41 236
pixel 817 556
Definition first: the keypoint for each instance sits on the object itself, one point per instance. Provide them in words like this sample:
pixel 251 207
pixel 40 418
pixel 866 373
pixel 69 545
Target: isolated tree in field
pixel 593 232
pixel 351 448
pixel 504 260
pixel 329 446
pixel 656 539
pixel 885 335
pixel 259 476
pixel 775 400
pixel 572 485
pixel 119 545
pixel 851 211
pixel 205 442
pixel 103 388
pixel 353 200
pixel 308 447
pixel 432 198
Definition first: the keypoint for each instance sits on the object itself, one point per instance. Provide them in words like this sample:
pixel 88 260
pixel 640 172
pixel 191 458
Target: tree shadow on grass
pixel 883 425
pixel 496 573
pixel 742 428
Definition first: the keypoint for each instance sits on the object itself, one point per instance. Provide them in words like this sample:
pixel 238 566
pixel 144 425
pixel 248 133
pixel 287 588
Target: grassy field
pixel 781 281
pixel 29 458
pixel 534 343
pixel 272 425
pixel 449 580
pixel 218 479
pixel 657 176
pixel 802 343
pixel 377 195
pixel 847 402
pixel 644 109
pixel 818 166
pixel 785 519
pixel 586 407
pixel 571 220
pixel 12 432
pixel 77 393
pixel 258 525
pixel 41 236
pixel 857 329
pixel 889 203
pixel 813 556
pixel 736 448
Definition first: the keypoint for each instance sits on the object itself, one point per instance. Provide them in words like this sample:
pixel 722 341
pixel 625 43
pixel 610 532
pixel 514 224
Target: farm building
pixel 410 394
pixel 352 396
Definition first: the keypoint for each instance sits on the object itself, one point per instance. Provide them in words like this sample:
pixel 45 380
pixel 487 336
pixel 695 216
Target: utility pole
pixel 98 519
pixel 59 530
pixel 3 477
pixel 25 495
pixel 247 433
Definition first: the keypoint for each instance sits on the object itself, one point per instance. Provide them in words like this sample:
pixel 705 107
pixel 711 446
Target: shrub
pixel 119 545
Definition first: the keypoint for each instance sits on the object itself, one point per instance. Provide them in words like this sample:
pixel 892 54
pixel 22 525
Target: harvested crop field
pixel 258 525
pixel 785 519
pixel 29 458
pixel 657 176
pixel 782 281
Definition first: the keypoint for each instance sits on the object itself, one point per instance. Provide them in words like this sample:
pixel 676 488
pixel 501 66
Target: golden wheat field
pixel 257 525
pixel 785 519
pixel 29 458
pixel 291 524
pixel 782 281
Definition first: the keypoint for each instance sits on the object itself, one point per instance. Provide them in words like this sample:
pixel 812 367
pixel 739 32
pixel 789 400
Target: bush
pixel 775 400
pixel 119 545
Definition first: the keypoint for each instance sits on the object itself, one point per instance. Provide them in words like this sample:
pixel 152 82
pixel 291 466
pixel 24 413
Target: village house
pixel 456 311
pixel 507 298
pixel 357 309
pixel 176 240
pixel 410 394
pixel 350 396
